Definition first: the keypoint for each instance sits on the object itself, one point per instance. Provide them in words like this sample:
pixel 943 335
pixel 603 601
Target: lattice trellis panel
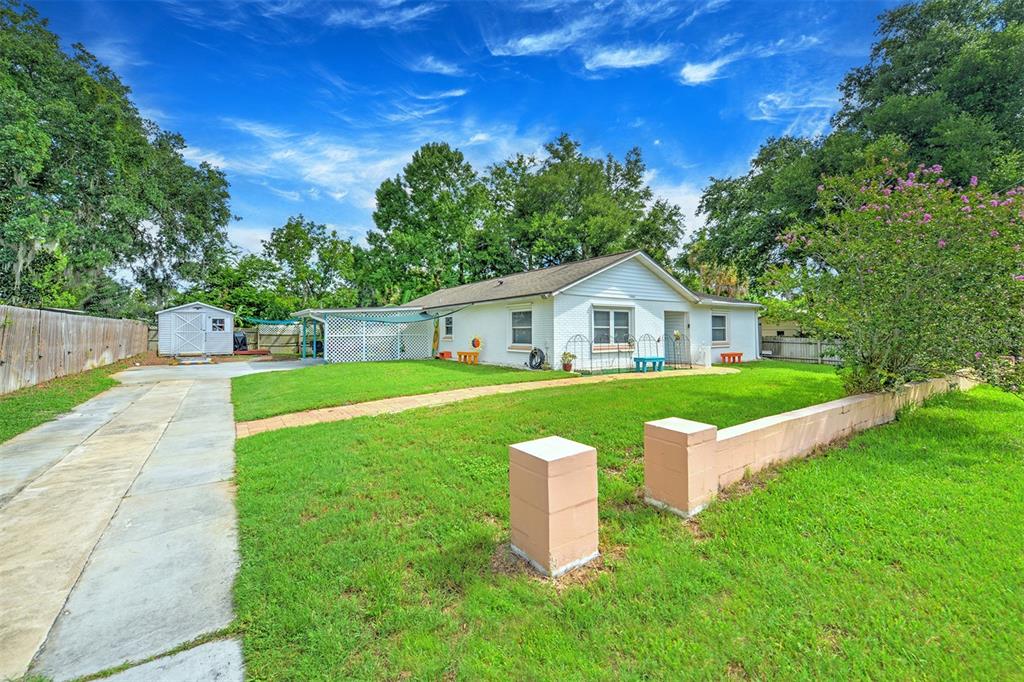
pixel 347 340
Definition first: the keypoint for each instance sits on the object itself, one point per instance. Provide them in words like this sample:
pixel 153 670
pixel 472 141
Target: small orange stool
pixel 470 357
pixel 444 355
pixel 732 358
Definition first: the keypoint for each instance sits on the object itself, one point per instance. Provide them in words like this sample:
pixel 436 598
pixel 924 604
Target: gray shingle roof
pixel 531 283
pixel 534 283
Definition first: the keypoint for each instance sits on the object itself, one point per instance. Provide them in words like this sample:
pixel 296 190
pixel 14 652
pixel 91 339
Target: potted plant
pixel 567 359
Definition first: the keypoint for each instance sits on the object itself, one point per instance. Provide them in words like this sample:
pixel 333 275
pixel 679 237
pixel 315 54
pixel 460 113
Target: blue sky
pixel 307 105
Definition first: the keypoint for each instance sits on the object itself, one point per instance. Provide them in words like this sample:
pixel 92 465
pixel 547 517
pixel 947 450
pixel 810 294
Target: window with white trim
pixel 719 329
pixel 217 324
pixel 522 327
pixel 611 326
pixel 449 327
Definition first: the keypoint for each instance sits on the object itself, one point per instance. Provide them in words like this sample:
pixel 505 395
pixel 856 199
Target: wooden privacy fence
pixel 801 350
pixel 39 345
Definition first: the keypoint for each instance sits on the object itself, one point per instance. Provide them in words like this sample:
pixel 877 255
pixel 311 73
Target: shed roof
pixel 194 303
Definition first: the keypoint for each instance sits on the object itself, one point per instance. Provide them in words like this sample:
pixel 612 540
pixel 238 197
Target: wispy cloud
pixel 432 64
pixel 777 105
pixel 290 195
pixel 547 42
pixel 405 112
pixel 696 73
pixel 395 17
pixel 703 8
pixel 119 55
pixel 626 57
pixel 441 94
pixel 805 112
pixel 349 167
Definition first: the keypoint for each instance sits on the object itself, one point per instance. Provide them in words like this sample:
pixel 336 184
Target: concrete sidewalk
pixel 373 408
pixel 119 530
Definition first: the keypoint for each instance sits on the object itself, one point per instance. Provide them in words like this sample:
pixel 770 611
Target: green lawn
pixel 271 393
pixel 368 545
pixel 30 407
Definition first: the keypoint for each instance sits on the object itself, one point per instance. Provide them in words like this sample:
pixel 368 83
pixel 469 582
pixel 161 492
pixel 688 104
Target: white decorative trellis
pixel 349 340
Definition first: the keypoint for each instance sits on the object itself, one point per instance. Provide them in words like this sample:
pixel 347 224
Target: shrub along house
pixel 605 311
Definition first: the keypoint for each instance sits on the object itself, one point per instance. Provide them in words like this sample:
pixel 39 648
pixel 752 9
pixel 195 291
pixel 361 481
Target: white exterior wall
pixel 742 326
pixel 214 343
pixel 634 287
pixel 492 323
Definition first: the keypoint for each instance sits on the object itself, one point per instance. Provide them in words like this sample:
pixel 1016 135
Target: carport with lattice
pixel 375 334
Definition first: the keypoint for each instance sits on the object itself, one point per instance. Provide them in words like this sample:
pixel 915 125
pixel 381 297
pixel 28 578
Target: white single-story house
pixel 604 310
pixel 195 329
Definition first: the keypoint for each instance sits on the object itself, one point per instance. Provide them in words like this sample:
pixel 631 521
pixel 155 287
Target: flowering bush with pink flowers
pixel 917 277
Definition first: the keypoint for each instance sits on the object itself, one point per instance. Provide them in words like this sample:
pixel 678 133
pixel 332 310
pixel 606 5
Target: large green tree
pixel 427 221
pixel 315 267
pixel 568 206
pixel 87 186
pixel 439 224
pixel 944 77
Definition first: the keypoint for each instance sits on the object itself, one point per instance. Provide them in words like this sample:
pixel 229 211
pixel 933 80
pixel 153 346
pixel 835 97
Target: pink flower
pixel 993 234
pixel 942 243
pixel 974 181
pixel 977 356
pixel 966 209
pixel 993 202
pixel 963 198
pixel 821 188
pixel 1018 278
pixel 926 218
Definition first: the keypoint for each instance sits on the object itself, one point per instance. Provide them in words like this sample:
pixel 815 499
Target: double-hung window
pixel 449 327
pixel 522 327
pixel 610 326
pixel 719 329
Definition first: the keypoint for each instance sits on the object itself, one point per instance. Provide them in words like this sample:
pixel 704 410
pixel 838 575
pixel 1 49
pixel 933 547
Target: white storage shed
pixel 195 329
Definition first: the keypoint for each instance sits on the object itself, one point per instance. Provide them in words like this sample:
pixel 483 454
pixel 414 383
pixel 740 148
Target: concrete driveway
pixel 119 534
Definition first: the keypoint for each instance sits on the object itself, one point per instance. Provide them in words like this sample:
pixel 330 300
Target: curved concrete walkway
pixel 117 524
pixel 403 403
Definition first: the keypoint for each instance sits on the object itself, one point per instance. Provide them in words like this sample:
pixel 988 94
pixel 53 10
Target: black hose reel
pixel 536 360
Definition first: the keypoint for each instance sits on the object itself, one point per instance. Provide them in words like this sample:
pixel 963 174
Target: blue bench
pixel 657 363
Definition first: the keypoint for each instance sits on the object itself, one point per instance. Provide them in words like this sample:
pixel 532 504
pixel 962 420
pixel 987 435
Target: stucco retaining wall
pixel 686 463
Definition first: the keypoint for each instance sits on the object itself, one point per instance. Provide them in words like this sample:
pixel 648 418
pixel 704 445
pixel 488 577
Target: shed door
pixel 189 332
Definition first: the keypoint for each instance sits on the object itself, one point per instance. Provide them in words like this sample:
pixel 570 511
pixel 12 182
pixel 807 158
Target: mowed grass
pixel 272 393
pixel 368 546
pixel 29 407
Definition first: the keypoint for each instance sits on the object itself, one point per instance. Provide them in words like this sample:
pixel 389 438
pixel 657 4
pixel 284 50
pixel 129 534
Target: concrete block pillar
pixel 679 464
pixel 553 500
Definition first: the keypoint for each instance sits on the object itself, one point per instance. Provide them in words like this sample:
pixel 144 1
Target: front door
pixel 677 339
pixel 189 333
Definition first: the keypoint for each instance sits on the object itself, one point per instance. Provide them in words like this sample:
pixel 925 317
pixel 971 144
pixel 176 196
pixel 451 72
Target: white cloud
pixel 413 112
pixel 626 57
pixel 290 195
pixel 431 64
pixel 377 17
pixel 695 73
pixel 702 72
pixel 777 105
pixel 685 195
pixel 119 55
pixel 703 8
pixel 548 42
pixel 442 94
